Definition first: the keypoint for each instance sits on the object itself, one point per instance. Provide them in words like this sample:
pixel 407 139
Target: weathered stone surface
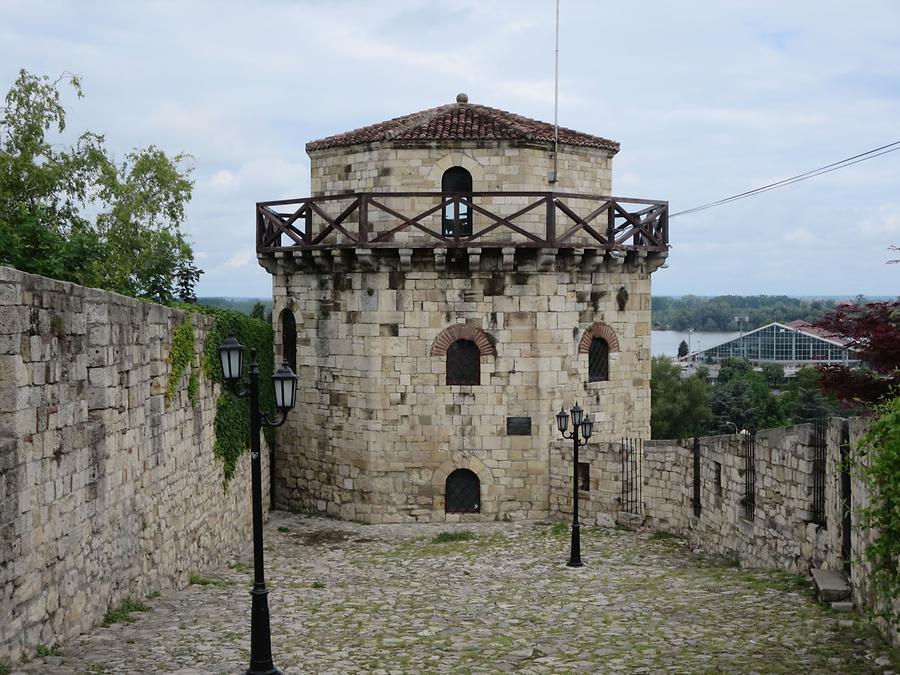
pixel 102 486
pixel 351 598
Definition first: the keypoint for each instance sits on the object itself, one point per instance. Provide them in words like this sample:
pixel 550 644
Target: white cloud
pixel 707 98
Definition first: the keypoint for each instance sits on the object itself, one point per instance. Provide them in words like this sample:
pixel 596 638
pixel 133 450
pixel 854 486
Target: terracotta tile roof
pixel 461 121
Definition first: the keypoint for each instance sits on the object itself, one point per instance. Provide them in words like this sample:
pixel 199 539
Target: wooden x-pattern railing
pixel 611 223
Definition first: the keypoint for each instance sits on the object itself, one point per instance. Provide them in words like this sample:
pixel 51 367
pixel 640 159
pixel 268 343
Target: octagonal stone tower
pixel 456 277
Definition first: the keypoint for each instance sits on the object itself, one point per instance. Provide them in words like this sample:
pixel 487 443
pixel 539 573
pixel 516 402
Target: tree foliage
pixel 679 407
pixel 873 330
pixel 683 349
pixel 879 466
pixel 132 245
pixel 719 313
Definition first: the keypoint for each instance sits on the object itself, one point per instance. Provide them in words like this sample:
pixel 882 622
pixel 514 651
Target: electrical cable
pixel 828 168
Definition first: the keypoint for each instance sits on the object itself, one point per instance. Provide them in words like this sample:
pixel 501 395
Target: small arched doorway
pixel 462 492
pixel 459 180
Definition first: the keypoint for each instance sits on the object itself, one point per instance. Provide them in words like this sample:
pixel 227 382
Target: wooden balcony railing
pixel 469 220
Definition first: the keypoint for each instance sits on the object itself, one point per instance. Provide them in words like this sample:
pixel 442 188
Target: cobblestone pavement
pixel 349 598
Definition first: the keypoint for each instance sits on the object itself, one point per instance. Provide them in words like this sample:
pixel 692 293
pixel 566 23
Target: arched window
pixel 457 179
pixel 463 363
pixel 598 360
pixel 462 492
pixel 289 339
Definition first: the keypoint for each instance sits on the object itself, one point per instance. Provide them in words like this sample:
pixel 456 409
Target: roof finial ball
pixel 462 98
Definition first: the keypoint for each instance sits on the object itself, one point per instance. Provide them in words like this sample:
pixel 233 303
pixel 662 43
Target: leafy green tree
pixel 258 311
pixel 682 349
pixel 679 407
pixel 802 401
pixel 133 245
pixel 774 374
pixel 744 397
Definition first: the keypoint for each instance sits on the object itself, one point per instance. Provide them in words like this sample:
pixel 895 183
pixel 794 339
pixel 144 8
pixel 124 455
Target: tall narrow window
pixel 456 179
pixel 598 360
pixel 289 338
pixel 463 363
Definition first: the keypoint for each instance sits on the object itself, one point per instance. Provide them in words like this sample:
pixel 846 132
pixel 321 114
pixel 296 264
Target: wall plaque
pixel 518 426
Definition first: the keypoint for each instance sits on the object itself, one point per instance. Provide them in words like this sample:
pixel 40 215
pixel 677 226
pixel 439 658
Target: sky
pixel 707 99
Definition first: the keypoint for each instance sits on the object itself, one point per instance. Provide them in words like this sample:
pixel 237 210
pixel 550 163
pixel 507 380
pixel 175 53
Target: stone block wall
pixel 106 491
pixel 494 165
pixel 376 437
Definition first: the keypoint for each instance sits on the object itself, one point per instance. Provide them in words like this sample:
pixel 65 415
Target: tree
pixel 133 245
pixel 743 397
pixel 258 311
pixel 679 408
pixel 802 401
pixel 682 349
pixel 873 331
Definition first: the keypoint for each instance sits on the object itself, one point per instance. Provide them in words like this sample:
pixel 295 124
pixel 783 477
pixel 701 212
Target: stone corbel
pixel 547 258
pixel 268 263
pixel 655 260
pixel 474 259
pixel 509 258
pixel 405 259
pixel 614 261
pixel 364 259
pixel 440 259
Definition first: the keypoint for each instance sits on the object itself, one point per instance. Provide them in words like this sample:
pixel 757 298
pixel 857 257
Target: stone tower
pixel 455 278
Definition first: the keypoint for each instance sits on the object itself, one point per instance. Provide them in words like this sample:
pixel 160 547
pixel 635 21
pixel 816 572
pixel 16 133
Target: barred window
pixel 598 360
pixel 463 363
pixel 462 492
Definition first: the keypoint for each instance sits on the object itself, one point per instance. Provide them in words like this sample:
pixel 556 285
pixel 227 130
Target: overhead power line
pixel 828 168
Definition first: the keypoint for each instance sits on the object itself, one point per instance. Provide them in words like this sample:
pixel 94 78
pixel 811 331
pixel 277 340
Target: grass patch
pixel 317 584
pixel 282 528
pixel 198 580
pixel 448 537
pixel 43 650
pixel 238 566
pixel 777 580
pixel 659 535
pixel 559 529
pixel 153 594
pixel 5 670
pixel 122 613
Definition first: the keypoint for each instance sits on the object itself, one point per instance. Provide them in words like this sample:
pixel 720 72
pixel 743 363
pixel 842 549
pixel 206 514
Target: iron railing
pixel 445 220
pixel 632 453
pixel 818 441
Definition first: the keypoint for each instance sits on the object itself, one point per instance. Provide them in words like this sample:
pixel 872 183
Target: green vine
pixel 232 424
pixel 879 468
pixel 181 357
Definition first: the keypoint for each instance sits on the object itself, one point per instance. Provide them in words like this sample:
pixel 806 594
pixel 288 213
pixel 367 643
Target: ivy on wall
pixel 880 469
pixel 232 423
pixel 181 357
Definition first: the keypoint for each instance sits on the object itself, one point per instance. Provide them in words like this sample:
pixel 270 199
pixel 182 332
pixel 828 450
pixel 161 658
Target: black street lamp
pixel 586 426
pixel 231 354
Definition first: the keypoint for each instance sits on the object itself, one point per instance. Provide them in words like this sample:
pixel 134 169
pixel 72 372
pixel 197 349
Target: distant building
pixel 793 345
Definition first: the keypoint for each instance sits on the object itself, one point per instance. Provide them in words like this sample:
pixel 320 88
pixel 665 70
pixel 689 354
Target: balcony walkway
pixel 349 598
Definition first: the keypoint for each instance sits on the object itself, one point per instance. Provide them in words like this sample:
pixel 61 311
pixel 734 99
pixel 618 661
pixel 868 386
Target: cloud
pixel 707 98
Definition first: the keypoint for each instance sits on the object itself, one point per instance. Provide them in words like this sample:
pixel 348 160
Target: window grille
pixel 584 476
pixel 462 492
pixel 598 360
pixel 819 446
pixel 463 363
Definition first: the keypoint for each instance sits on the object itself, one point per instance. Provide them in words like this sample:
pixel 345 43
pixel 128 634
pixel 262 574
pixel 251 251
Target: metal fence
pixel 818 441
pixel 632 452
pixel 749 476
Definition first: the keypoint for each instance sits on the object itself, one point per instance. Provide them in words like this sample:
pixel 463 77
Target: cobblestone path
pixel 348 598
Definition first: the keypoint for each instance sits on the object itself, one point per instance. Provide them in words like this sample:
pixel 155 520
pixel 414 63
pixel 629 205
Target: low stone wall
pixel 106 491
pixel 778 532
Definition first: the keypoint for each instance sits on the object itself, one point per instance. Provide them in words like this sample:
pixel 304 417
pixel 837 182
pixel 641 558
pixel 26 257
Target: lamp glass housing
pixel 285 381
pixel 587 427
pixel 577 413
pixel 562 420
pixel 231 355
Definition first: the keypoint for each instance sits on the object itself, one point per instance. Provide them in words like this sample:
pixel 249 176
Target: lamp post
pixel 586 426
pixel 231 355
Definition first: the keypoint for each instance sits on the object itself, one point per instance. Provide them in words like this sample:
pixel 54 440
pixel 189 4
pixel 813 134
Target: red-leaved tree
pixel 873 331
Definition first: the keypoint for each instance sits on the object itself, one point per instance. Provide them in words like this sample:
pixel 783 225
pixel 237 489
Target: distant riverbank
pixel 665 342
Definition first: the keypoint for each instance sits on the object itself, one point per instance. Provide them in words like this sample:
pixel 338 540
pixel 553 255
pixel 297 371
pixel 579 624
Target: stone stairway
pixel 832 588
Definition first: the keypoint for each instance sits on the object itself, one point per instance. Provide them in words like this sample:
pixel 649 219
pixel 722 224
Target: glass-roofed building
pixel 793 345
